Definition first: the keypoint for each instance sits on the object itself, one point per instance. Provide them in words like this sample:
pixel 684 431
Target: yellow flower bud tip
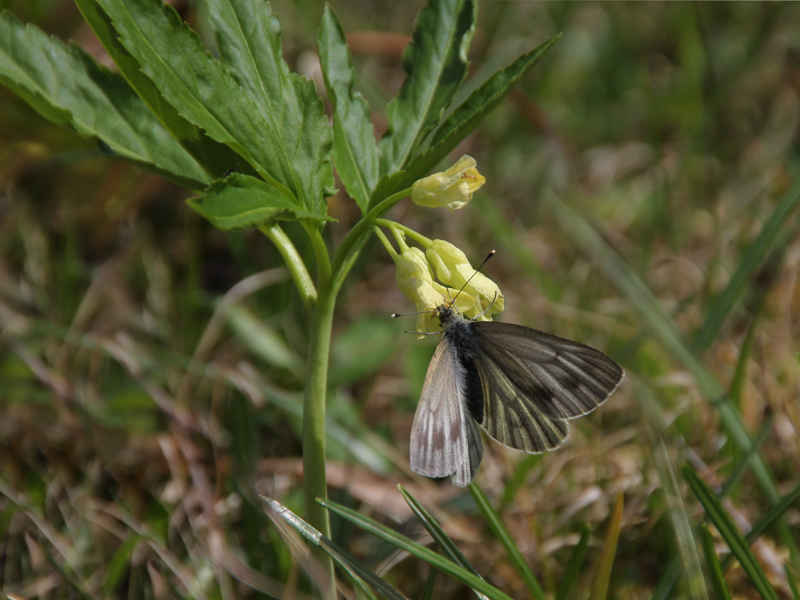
pixel 452 189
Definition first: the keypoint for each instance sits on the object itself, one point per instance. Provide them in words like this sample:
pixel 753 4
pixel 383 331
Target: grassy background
pixel 151 366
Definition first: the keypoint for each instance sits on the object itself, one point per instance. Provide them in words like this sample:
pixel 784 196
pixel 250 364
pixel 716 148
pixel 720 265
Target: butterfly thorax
pixel 458 330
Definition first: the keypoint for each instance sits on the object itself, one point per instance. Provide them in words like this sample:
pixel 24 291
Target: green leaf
pixel 215 157
pixel 354 151
pixel 438 534
pixel 721 591
pixel 248 36
pixel 68 87
pixel 724 303
pixel 463 121
pixel 436 63
pixel 197 84
pixel 244 202
pixel 501 533
pixel 574 567
pixel 354 568
pixel 717 514
pixel 415 549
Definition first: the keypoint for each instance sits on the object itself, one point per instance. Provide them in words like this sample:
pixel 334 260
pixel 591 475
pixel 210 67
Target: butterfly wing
pixel 534 382
pixel 445 440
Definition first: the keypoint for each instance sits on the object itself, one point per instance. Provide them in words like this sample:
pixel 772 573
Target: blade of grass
pixel 680 521
pixel 768 519
pixel 609 551
pixel 501 533
pixel 351 566
pixel 717 514
pixel 721 591
pixel 415 549
pixel 742 465
pixel 573 570
pixel 438 534
pixel 518 478
pixel 430 584
pixel 792 581
pixel 668 581
pixel 724 303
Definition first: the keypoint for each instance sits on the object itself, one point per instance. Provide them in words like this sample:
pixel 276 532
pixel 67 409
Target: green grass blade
pixel 415 549
pixel 67 86
pixel 609 552
pixel 573 570
pixel 119 565
pixel 354 568
pixel 742 465
pixel 667 583
pixel 186 74
pixel 755 254
pixel 792 580
pixel 215 157
pixel 768 519
pixel 430 585
pixel 248 36
pixel 717 514
pixel 436 63
pixel 438 534
pixel 680 520
pixel 721 591
pixel 354 151
pixel 501 533
pixel 518 478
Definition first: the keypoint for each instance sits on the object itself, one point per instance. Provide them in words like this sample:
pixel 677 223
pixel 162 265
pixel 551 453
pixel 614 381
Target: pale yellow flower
pixel 452 189
pixel 415 279
pixel 453 269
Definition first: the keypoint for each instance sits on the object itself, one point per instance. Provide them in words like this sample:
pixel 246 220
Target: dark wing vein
pixel 536 381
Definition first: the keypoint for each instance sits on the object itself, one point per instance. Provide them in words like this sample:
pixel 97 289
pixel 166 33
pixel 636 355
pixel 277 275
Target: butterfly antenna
pixel 466 283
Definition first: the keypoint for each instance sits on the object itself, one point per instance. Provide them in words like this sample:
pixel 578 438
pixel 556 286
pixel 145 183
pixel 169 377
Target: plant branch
pixel 295 264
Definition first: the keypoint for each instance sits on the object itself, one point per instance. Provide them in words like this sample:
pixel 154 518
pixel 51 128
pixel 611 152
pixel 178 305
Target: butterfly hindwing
pixel 445 440
pixel 533 382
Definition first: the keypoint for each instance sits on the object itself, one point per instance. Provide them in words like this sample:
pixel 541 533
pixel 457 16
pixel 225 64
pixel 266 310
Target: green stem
pixel 386 243
pixel 329 280
pixel 314 405
pixel 294 262
pixel 352 243
pixel 316 387
pixel 414 235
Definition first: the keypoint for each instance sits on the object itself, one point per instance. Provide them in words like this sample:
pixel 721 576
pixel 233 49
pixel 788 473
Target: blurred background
pixel 151 366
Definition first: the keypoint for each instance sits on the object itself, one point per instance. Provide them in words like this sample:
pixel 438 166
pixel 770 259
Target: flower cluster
pixel 472 293
pixel 442 273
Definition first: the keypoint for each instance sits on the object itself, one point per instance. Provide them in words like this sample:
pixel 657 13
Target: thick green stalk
pixel 314 397
pixel 314 405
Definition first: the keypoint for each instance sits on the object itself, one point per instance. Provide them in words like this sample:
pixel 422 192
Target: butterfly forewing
pixel 533 382
pixel 444 438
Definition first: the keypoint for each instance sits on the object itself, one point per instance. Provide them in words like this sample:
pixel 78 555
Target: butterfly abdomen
pixel 460 335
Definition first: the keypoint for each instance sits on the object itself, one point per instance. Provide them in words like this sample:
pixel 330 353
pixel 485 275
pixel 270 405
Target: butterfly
pixel 522 386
